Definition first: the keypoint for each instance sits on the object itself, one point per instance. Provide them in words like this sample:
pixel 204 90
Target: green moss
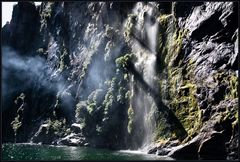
pixel 108 102
pixel 177 89
pixel 181 88
pixel 231 80
pixel 233 84
pixel 162 131
pixel 165 40
pixel 186 108
pixel 164 19
pixel 175 51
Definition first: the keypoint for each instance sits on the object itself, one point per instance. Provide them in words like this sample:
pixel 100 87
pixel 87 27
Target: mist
pixel 20 73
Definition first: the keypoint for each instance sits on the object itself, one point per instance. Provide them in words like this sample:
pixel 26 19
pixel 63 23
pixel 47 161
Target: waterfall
pixel 144 48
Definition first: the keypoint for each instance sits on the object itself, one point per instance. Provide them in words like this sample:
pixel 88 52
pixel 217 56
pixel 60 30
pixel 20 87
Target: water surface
pixel 47 152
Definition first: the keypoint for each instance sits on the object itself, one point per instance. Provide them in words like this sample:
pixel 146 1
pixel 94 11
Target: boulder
pixel 213 147
pixel 72 140
pixel 44 135
pixel 185 151
pixel 152 150
pixel 163 151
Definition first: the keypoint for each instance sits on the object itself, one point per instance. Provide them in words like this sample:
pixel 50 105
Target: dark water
pixel 46 152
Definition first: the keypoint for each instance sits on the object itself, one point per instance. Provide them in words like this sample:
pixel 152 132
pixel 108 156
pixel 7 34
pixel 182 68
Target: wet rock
pixel 213 147
pixel 72 140
pixel 86 144
pixel 203 104
pixel 186 151
pixel 233 151
pixel 152 150
pixel 214 26
pixel 233 61
pixel 218 94
pixel 44 135
pixel 206 113
pixel 163 151
pixel 173 143
pixel 76 128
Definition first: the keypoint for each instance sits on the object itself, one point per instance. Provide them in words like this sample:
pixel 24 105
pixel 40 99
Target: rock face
pixel 23 29
pixel 122 75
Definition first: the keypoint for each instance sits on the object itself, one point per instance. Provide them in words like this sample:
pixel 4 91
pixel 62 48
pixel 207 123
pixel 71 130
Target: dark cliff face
pixel 123 75
pixel 23 28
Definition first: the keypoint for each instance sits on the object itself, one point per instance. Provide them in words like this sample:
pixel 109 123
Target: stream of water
pixel 146 31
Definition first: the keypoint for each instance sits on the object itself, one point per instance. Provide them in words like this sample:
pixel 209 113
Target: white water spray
pixel 144 49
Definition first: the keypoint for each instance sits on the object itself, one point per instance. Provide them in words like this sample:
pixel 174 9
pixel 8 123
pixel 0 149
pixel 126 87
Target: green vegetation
pixel 16 124
pixel 123 61
pixel 231 80
pixel 130 119
pixel 59 127
pixel 175 49
pixel 179 87
pixel 162 131
pixel 109 97
pixel 164 19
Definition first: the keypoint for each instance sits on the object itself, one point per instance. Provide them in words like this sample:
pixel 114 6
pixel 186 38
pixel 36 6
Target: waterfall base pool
pixel 47 152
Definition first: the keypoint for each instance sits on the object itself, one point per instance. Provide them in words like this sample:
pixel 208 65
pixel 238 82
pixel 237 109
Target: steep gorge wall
pixel 95 76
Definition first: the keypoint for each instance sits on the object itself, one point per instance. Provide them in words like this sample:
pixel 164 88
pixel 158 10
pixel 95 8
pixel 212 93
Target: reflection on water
pixel 48 152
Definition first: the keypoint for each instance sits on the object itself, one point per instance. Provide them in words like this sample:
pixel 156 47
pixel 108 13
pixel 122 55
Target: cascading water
pixel 144 47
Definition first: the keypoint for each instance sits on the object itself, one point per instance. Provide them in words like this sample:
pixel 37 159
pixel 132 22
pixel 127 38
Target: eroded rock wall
pixel 89 72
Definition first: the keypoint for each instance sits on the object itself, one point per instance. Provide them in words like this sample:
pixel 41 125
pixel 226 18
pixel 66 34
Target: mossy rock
pixel 130 119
